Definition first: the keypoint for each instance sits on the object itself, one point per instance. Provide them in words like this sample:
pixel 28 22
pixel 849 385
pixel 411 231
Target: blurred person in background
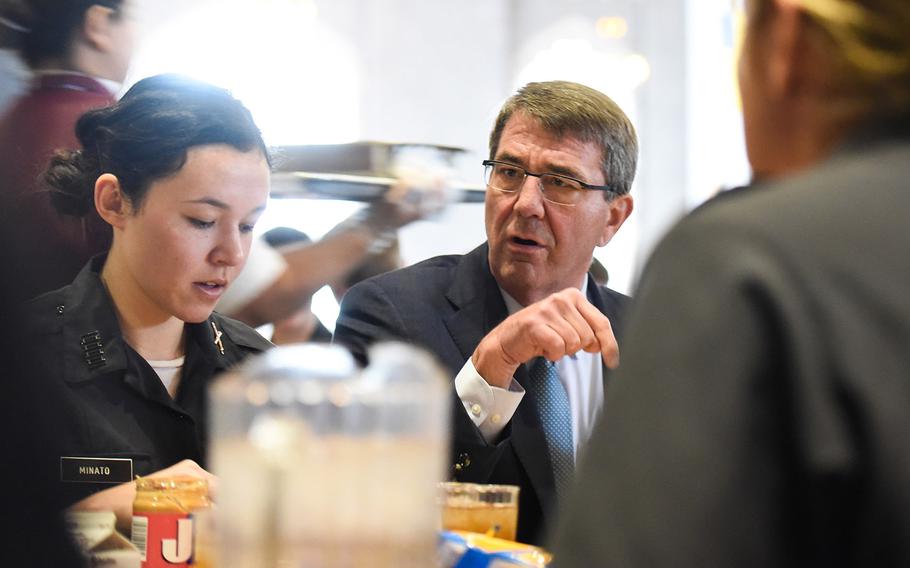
pixel 14 75
pixel 761 412
pixel 303 325
pixel 378 263
pixel 33 532
pixel 78 52
pixel 276 284
pixel 179 171
pixel 562 161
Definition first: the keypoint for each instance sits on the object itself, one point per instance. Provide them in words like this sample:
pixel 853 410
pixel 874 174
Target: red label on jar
pixel 163 539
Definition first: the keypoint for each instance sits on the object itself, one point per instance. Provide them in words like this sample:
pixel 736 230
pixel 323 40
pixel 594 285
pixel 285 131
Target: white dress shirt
pixel 491 408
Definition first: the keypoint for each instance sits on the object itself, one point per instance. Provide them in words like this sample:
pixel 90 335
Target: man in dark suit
pixel 562 160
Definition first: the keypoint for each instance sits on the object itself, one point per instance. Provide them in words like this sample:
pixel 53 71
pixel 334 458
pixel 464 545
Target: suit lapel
pixel 596 298
pixel 609 307
pixel 478 308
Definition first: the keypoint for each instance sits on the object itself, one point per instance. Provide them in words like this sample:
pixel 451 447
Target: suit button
pixel 476 409
pixel 60 310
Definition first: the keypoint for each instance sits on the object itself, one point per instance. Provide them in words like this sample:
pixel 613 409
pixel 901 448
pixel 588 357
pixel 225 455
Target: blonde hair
pixel 869 45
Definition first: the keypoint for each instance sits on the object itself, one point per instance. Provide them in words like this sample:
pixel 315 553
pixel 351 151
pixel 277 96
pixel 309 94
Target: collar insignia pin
pixel 217 341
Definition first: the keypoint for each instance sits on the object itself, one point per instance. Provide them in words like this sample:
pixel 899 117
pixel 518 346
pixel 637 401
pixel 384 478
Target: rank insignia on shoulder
pixel 96 470
pixel 93 349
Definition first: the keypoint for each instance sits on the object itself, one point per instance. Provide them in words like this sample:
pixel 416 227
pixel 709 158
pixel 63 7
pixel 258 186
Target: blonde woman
pixel 761 412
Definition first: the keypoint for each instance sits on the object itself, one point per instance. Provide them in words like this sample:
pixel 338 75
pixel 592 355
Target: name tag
pixel 96 470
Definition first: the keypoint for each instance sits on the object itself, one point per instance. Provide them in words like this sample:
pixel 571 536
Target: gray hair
pixel 566 108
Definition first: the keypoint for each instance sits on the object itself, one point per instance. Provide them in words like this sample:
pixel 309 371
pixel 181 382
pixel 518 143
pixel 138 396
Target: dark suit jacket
pixel 447 305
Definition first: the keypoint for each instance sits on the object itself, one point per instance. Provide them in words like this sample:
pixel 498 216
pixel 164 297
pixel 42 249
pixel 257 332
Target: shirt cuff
pixel 489 407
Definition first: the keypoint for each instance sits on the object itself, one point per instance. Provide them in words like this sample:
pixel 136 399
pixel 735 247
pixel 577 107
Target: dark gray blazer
pixel 447 305
pixel 761 413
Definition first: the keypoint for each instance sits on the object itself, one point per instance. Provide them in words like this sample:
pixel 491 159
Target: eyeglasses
pixel 556 188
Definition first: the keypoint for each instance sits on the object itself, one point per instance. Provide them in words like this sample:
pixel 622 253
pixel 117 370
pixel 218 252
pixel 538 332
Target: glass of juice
pixel 480 508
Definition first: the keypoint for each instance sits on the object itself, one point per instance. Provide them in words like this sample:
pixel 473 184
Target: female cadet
pixel 180 172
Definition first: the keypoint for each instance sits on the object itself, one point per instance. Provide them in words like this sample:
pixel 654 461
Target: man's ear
pixel 619 210
pixel 110 202
pixel 97 27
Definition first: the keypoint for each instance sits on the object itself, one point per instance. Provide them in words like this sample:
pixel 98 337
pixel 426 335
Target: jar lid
pixel 176 483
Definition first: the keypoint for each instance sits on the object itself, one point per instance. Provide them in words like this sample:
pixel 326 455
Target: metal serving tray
pixel 355 172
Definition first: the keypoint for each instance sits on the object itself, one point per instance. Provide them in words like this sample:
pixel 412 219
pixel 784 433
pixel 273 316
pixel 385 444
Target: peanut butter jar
pixel 165 514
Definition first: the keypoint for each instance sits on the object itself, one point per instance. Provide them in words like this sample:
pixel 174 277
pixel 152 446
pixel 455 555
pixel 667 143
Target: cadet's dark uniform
pixel 118 419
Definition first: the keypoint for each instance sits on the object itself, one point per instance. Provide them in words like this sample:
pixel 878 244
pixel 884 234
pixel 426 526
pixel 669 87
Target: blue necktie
pixel 552 403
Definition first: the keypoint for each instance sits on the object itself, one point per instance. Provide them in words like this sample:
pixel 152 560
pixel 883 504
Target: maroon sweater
pixel 38 124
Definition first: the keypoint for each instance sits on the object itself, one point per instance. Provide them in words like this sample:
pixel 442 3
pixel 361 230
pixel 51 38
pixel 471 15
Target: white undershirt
pixel 169 373
pixel 491 408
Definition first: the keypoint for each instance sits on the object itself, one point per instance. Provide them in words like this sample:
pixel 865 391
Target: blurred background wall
pixel 435 71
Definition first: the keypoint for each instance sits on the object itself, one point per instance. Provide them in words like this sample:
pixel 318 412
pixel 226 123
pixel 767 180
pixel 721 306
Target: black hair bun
pixel 70 177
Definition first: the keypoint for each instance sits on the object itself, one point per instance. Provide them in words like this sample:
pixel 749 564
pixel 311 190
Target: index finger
pixel 603 330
